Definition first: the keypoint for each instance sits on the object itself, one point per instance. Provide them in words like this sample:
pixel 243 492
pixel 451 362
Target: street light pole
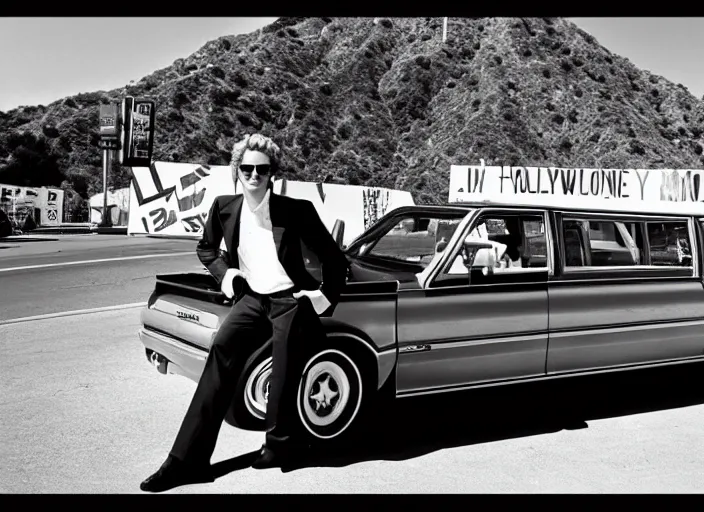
pixel 109 141
pixel 106 164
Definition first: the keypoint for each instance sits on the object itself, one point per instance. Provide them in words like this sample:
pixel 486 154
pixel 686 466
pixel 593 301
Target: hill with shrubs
pixel 382 102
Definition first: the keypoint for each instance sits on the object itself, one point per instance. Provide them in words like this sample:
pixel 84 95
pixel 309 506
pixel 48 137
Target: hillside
pixel 382 102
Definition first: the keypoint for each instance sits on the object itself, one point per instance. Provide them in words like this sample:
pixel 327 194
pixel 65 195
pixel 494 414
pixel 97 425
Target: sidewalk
pixel 76 229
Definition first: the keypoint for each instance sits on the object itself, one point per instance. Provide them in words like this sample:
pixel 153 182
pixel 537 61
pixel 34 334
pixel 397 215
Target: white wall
pixel 120 199
pixel 174 199
pixel 50 201
pixel 666 190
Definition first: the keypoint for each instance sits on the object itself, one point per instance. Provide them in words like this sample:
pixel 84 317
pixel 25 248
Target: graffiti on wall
pixel 174 199
pixel 169 198
pixel 43 205
pixel 375 205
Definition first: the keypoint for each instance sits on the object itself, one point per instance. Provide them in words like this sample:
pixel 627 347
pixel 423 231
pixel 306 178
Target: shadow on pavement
pixel 224 467
pixel 414 427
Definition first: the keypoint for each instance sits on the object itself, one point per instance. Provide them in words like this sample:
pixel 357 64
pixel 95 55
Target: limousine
pixel 450 297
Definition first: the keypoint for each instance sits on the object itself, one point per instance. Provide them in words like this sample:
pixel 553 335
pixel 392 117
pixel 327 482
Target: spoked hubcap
pixel 326 393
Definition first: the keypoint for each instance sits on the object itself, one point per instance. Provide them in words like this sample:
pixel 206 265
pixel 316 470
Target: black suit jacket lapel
pixel 230 217
pixel 279 221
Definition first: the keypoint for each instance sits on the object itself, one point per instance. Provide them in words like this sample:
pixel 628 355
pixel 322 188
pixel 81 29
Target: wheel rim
pixel 326 393
pixel 257 389
pixel 329 394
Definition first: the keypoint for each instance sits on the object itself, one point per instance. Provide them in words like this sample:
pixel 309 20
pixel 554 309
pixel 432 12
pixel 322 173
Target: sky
pixel 46 59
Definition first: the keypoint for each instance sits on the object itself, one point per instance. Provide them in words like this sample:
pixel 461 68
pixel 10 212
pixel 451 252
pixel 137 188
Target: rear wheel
pixel 336 388
pixel 331 394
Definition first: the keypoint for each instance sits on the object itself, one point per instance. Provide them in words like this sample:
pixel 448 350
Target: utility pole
pixel 444 30
pixel 107 153
pixel 109 141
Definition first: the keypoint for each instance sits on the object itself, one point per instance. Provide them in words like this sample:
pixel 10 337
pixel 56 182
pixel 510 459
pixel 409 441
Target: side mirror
pixel 338 232
pixel 473 248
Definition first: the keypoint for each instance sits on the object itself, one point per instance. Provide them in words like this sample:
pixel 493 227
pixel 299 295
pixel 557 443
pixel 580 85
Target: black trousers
pixel 291 322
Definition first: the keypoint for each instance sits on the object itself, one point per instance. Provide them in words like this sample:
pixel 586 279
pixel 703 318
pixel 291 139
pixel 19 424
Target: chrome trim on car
pixel 186 314
pixel 173 343
pixel 433 269
pixel 484 340
pixel 386 360
pixel 522 380
pixel 608 280
pixel 596 268
pixel 625 327
pixel 694 246
pixel 415 348
pixel 549 243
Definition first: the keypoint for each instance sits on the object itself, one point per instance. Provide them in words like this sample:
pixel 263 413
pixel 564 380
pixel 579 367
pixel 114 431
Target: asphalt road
pixel 82 411
pixel 128 276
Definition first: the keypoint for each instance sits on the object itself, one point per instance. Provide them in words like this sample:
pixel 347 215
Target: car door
pixel 628 291
pixel 454 332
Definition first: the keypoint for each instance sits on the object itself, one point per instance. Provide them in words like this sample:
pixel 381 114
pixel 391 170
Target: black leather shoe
pixel 174 473
pixel 269 458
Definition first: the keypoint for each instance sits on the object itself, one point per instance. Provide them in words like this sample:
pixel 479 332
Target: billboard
pixel 137 135
pixel 44 205
pixel 109 122
pixel 173 199
pixel 665 190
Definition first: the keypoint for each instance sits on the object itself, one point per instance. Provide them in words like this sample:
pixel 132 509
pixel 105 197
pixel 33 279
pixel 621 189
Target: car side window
pixel 415 240
pixel 519 244
pixel 669 244
pixel 602 243
pixel 624 243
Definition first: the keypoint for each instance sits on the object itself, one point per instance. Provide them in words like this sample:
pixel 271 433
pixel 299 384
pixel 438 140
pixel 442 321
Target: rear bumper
pixel 181 359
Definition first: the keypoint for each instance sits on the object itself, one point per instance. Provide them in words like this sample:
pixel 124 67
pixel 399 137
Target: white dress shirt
pixel 257 251
pixel 259 262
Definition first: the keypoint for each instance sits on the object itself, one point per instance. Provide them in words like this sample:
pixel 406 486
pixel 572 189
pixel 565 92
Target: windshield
pixel 415 238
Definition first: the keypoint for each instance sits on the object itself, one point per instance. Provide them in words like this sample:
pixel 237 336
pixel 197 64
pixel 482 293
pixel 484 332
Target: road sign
pixel 109 122
pixel 137 137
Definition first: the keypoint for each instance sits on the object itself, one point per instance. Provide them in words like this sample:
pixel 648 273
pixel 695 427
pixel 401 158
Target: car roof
pixel 677 209
pixel 682 210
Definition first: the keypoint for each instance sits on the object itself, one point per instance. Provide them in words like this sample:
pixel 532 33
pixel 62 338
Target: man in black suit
pixel 263 271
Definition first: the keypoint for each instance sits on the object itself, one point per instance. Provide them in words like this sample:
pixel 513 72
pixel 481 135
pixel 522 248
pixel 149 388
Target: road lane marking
pixel 85 262
pixel 75 312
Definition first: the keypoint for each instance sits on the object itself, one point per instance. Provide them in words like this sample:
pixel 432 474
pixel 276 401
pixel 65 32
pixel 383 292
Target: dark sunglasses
pixel 262 169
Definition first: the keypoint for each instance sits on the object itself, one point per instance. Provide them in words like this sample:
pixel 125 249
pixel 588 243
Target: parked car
pixel 450 297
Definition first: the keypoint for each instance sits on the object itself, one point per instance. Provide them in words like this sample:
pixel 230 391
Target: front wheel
pixel 330 394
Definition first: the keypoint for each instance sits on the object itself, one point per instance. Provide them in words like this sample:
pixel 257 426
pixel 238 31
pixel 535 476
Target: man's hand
pixel 319 301
pixel 227 286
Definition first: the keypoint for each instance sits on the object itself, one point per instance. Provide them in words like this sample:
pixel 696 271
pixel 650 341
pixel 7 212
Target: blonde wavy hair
pixel 255 142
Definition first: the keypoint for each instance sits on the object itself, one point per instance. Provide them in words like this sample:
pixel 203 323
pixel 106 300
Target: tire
pixel 332 394
pixel 248 409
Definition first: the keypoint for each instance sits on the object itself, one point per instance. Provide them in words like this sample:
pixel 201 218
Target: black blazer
pixel 294 222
